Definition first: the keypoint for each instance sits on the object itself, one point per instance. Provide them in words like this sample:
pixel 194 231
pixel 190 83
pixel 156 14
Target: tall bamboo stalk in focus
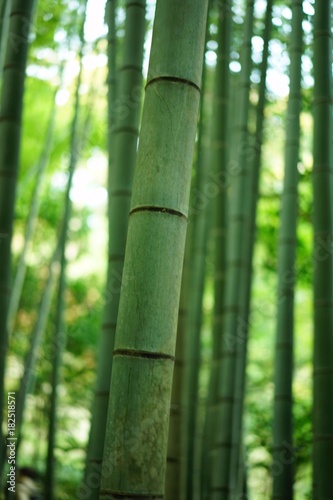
pixel 136 440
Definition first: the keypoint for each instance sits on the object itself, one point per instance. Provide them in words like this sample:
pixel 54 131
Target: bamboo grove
pixel 166 252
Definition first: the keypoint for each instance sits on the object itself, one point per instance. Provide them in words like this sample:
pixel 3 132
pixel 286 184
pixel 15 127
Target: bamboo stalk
pixel 237 223
pixel 219 160
pixel 10 138
pixel 136 441
pixel 199 223
pixel 323 272
pixel 254 165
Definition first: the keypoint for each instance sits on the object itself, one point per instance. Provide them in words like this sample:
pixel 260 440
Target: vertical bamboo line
pixel 253 164
pixel 322 221
pixel 10 138
pixel 197 261
pixel 237 223
pixel 4 25
pixel 283 400
pixel 175 476
pixel 219 161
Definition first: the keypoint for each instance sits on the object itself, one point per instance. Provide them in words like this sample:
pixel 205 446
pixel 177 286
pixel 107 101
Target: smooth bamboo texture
pixel 177 473
pixel 59 326
pixel 254 165
pixel 4 24
pixel 283 375
pixel 219 164
pixel 322 220
pixel 10 138
pixel 237 223
pixel 112 51
pixel 199 223
pixel 175 476
pixel 124 128
pixel 136 441
pixel 31 222
pixel 3 4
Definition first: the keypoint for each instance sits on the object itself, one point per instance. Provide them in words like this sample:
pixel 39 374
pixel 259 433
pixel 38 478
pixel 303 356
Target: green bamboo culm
pixel 110 20
pixel 91 480
pixel 4 25
pixel 3 4
pixel 175 476
pixel 199 225
pixel 219 165
pixel 322 221
pixel 59 335
pixel 136 441
pixel 10 138
pixel 177 465
pixel 282 418
pixel 253 164
pixel 238 220
pixel 124 130
pixel 31 222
